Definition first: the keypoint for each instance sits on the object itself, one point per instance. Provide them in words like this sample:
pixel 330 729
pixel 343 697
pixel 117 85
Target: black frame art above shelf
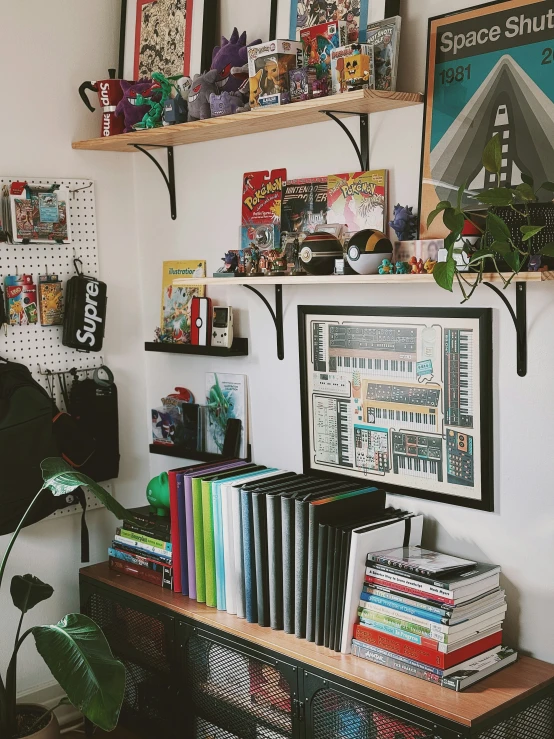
pixel 238 349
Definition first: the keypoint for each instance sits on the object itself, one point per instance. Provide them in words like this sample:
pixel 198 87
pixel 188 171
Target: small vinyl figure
pixel 386 267
pixel 429 266
pixel 404 223
pixel 535 263
pixel 231 262
pixel 227 103
pixel 416 265
pixel 176 109
pixel 402 268
pixel 254 260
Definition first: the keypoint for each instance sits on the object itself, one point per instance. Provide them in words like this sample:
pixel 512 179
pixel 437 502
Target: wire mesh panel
pixel 148 698
pixel 130 631
pixel 535 722
pixel 336 716
pixel 242 695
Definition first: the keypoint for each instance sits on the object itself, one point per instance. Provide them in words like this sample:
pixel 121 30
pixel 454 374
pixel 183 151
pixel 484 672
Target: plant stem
pixel 11 675
pixel 15 535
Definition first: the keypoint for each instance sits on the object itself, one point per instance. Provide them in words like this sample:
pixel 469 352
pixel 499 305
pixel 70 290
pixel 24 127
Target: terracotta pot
pixel 52 731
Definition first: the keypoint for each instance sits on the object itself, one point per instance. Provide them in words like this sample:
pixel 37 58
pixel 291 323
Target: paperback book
pixel 358 200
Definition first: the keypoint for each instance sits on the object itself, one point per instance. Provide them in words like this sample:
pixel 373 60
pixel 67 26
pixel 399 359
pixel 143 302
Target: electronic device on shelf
pixel 458 361
pixel 201 319
pixel 222 333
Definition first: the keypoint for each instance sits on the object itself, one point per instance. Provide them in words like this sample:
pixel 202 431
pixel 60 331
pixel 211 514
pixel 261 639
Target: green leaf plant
pixel 495 241
pixel 75 649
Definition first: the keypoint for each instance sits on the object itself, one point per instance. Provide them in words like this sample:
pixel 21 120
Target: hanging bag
pixel 85 313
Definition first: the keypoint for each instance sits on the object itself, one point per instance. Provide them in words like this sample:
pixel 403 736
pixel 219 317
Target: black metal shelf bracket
pixel 519 317
pixel 363 150
pixel 169 178
pixel 276 315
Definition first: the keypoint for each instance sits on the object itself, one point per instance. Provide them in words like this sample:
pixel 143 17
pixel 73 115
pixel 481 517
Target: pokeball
pixel 319 252
pixel 366 251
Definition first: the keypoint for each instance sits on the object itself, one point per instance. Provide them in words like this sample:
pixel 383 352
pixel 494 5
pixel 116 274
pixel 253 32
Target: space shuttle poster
pixel 490 71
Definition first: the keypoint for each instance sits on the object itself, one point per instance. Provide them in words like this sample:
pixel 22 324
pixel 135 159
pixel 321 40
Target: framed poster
pixel 174 37
pixel 400 397
pixel 356 13
pixel 490 71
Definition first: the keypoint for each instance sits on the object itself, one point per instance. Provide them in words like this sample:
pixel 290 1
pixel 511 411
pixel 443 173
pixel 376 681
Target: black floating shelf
pixel 239 349
pixel 175 451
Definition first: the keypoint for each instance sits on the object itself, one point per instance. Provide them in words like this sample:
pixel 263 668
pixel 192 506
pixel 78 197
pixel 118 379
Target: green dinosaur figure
pixel 153 119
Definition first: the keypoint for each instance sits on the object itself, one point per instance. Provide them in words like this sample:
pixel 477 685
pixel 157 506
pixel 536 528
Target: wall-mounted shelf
pixel 287 116
pixel 239 349
pixel 519 315
pixel 175 451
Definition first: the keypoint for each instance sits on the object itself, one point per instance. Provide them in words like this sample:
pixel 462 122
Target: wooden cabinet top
pixel 469 708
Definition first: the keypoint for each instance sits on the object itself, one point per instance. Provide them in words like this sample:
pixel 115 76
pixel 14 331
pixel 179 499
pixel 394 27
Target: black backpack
pixel 27 436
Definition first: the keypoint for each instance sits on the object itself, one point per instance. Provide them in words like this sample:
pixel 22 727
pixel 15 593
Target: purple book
pixel 188 557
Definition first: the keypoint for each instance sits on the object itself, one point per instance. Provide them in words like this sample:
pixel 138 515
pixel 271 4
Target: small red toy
pixel 417 266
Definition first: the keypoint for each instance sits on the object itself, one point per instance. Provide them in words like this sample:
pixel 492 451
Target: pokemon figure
pixel 404 223
pixel 233 52
pixel 227 103
pixel 203 85
pixel 128 107
pixel 386 267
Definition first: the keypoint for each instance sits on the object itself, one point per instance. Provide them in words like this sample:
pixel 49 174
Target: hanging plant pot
pixel 28 728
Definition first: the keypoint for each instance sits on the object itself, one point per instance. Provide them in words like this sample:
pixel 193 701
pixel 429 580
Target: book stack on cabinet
pixel 436 617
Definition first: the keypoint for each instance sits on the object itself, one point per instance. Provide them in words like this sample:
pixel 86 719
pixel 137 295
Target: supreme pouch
pixel 85 314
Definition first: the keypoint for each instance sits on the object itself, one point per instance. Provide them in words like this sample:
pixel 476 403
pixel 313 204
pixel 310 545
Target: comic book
pixel 226 398
pixel 384 36
pixel 306 13
pixel 304 205
pixel 177 301
pixel 358 200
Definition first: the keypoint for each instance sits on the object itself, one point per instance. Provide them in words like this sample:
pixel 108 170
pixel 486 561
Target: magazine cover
pixel 306 13
pixel 177 301
pixel 304 205
pixel 384 36
pixel 358 200
pixel 226 398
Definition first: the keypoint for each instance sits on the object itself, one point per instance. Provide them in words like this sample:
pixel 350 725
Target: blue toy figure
pixel 386 267
pixel 404 223
pixel 402 268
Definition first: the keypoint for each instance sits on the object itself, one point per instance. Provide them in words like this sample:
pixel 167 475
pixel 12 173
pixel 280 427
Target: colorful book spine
pixel 163 533
pixel 149 540
pixel 182 533
pixel 396 604
pixel 410 599
pixel 138 560
pixel 191 555
pixel 435 670
pixel 144 547
pixel 396 663
pixel 137 551
pixel 140 573
pixel 217 513
pixel 175 539
pixel 209 544
pixel 419 587
pixel 406 589
pixel 199 540
pixel 412 627
pixel 423 641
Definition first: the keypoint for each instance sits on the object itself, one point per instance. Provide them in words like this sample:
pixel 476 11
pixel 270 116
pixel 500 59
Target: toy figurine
pixel 296 258
pixel 429 266
pixel 404 223
pixel 535 263
pixel 231 262
pixel 416 265
pixel 203 85
pixel 386 267
pixel 277 262
pixel 157 494
pixel 231 54
pixel 227 103
pixel 176 109
pixel 254 260
pixel 153 117
pixel 402 268
pixel 128 107
pixel 242 262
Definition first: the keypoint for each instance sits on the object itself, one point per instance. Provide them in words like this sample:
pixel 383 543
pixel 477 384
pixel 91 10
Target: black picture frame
pixel 483 317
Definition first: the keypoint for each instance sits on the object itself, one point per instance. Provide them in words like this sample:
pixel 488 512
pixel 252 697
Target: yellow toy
pixel 357 71
pixel 429 266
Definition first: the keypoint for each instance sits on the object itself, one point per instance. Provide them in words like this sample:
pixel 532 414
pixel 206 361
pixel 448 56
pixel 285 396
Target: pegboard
pixel 36 345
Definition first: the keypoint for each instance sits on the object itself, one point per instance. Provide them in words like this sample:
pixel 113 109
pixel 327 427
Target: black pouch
pixel 85 314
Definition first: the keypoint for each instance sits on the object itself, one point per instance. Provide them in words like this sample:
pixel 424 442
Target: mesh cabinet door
pixel 333 712
pixel 241 693
pixel 143 643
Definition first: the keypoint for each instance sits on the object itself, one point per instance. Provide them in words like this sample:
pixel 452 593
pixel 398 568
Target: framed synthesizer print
pixel 490 71
pixel 400 397
pixel 174 37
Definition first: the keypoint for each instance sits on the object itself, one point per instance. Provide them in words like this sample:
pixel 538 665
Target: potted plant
pixel 501 247
pixel 75 649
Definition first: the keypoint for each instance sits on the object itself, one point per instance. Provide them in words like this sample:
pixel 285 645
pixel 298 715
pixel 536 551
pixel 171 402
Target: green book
pixel 143 539
pixel 199 539
pixel 209 544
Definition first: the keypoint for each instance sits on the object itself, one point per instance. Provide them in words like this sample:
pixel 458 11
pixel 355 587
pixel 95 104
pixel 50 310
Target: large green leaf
pixel 530 231
pixel 492 156
pixel 512 260
pixel 526 192
pixel 62 479
pixel 548 250
pixel 79 657
pixel 548 186
pixel 499 196
pixel 440 207
pixel 444 274
pixel 501 247
pixel 497 228
pixel 527 179
pixel 453 220
pixel 27 591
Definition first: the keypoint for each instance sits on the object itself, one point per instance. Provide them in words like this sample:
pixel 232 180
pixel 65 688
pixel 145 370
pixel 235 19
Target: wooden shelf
pixel 470 708
pixel 257 121
pixel 354 279
pixel 239 349
pixel 167 450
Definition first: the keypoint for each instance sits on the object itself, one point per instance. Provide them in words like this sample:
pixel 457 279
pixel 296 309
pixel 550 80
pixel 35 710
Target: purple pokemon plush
pixel 225 104
pixel 128 107
pixel 232 53
pixel 203 85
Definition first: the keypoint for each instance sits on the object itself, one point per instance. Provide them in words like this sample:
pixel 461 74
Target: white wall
pixel 519 535
pixel 47 50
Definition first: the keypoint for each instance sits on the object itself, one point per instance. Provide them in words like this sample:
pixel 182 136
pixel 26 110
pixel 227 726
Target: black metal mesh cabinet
pixel 189 679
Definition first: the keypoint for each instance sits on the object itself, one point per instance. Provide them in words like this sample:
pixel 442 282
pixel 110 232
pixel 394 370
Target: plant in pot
pixel 511 233
pixel 75 649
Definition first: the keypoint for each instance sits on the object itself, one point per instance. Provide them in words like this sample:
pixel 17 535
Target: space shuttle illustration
pixel 508 103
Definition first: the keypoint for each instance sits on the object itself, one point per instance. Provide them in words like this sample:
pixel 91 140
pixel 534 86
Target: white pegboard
pixel 42 345
pixel 93 503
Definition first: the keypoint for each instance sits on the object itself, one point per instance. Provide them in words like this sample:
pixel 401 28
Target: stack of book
pixel 436 617
pixel 143 548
